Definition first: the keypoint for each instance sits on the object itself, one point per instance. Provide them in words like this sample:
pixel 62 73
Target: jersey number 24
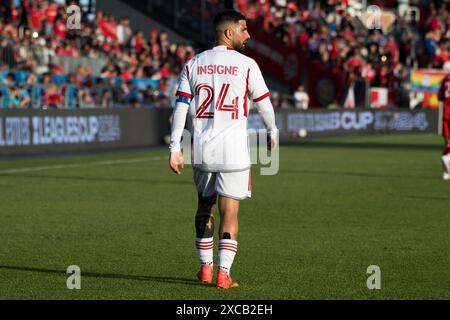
pixel 202 112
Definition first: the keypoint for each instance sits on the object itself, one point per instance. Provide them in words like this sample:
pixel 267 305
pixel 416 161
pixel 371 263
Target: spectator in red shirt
pixel 51 12
pixel 435 23
pixel 35 17
pixel 303 37
pixel 242 5
pixel 442 57
pixel 111 29
pixel 56 69
pixel 368 73
pixel 53 97
pixel 355 62
pixel 138 42
pixel 348 34
pixel 60 29
pixel 165 71
pixel 102 23
pixel 109 72
pixel 153 36
pixel 392 48
pixel 383 78
pixel 127 74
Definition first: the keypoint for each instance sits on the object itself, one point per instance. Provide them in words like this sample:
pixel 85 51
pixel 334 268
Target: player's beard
pixel 239 46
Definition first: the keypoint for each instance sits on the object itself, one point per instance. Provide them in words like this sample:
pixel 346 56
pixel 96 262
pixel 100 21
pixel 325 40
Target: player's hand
pixel 175 159
pixel 272 141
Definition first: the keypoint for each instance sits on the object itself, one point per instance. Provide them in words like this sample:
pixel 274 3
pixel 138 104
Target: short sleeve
pixel 184 92
pixel 256 85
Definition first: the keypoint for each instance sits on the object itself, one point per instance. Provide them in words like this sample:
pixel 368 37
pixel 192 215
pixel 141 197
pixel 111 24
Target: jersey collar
pixel 222 48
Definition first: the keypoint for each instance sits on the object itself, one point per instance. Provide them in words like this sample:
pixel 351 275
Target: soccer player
pixel 444 96
pixel 217 87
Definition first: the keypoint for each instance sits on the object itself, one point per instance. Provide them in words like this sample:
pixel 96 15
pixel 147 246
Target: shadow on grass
pixel 186 281
pixel 100 179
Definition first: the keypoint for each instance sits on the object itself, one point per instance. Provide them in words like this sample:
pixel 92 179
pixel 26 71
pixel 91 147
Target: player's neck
pixel 223 43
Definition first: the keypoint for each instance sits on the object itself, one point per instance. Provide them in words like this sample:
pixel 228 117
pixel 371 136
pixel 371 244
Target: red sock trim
pixel 446 150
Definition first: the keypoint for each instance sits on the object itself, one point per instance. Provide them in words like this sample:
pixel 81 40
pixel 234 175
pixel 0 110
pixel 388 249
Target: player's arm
pixel 183 99
pixel 265 110
pixel 260 95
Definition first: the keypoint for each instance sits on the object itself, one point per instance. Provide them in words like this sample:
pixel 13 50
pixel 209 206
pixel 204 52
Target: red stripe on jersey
pixel 267 94
pixel 246 94
pixel 222 102
pixel 229 48
pixel 219 102
pixel 187 71
pixel 184 94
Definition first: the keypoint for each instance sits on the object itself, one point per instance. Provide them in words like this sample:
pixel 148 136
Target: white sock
pixel 227 251
pixel 446 160
pixel 205 249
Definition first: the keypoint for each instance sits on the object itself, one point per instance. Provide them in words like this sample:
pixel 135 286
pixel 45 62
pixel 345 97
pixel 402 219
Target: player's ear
pixel 229 33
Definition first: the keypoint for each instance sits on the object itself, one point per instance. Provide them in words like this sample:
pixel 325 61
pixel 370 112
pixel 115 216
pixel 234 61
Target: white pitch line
pixel 77 165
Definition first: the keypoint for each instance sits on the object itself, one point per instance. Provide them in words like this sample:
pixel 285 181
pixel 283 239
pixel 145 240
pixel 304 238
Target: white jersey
pixel 220 84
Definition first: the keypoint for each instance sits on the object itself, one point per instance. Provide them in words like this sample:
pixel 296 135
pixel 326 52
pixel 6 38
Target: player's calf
pixel 204 241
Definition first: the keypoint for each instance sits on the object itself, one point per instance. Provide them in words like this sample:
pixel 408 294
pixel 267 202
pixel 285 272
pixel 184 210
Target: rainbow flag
pixel 426 80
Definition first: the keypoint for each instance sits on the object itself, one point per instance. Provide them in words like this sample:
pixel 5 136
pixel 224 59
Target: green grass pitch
pixel 337 206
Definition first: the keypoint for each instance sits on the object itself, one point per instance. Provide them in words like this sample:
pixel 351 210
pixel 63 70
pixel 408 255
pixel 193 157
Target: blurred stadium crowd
pixel 142 69
pixel 136 72
pixel 326 31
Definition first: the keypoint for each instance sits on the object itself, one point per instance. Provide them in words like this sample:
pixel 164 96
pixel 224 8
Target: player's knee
pixel 206 204
pixel 204 225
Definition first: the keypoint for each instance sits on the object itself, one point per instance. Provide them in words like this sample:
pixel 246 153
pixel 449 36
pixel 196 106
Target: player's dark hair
pixel 227 16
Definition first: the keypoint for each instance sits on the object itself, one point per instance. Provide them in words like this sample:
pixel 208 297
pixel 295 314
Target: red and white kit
pixel 444 92
pixel 218 87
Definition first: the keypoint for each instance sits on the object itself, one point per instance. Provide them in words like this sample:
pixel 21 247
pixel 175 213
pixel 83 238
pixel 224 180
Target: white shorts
pixel 235 185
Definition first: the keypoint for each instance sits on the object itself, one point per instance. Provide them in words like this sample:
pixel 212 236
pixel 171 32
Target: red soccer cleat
pixel 224 280
pixel 205 274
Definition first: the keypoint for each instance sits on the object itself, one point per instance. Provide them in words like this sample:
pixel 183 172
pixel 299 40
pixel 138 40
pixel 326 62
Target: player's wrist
pixel 175 148
pixel 273 132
